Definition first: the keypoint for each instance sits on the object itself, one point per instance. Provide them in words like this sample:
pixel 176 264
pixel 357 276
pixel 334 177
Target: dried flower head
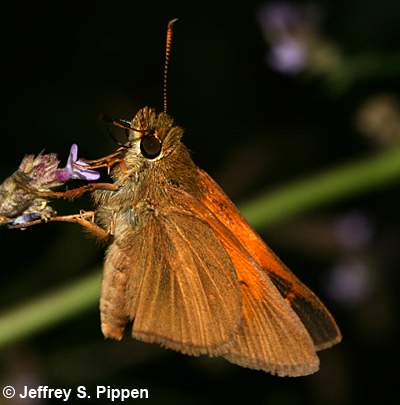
pixel 19 201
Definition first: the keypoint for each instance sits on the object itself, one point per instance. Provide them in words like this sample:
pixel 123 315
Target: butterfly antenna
pixel 118 123
pixel 167 55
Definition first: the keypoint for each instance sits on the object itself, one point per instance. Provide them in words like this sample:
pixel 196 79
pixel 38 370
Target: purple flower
pixel 350 282
pixel 289 30
pixel 19 202
pixel 288 56
pixel 354 230
pixel 73 171
pixel 24 218
pixel 280 17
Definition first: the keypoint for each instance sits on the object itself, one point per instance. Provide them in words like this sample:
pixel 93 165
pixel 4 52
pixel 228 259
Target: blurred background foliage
pixel 268 93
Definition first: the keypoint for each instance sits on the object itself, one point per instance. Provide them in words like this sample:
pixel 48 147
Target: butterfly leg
pixel 84 218
pixel 73 193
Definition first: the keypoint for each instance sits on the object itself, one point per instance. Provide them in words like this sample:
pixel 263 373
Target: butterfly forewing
pixel 312 312
pixel 315 317
pixel 271 337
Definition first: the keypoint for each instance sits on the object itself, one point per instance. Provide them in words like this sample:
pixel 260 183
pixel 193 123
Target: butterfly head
pixel 152 135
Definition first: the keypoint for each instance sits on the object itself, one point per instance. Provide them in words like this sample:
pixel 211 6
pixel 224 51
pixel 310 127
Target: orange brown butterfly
pixel 185 267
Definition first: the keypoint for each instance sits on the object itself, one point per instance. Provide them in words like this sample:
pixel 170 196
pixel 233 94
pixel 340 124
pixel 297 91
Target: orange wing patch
pixel 271 336
pixel 315 317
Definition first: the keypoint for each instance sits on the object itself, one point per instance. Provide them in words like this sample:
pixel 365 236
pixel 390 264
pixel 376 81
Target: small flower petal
pixel 72 171
pixel 84 174
pixel 24 218
pixel 63 175
pixel 73 154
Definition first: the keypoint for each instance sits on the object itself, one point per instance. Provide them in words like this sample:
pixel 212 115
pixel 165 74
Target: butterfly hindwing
pixel 182 289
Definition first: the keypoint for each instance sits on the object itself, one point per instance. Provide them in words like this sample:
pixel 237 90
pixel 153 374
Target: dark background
pixel 251 128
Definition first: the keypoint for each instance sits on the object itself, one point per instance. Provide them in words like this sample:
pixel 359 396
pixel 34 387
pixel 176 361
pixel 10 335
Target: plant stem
pixel 326 188
pixel 269 208
pixel 50 309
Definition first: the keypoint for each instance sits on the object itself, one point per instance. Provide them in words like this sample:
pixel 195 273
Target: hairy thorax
pixel 144 188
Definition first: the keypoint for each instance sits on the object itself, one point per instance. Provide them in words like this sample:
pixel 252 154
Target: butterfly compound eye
pixel 150 147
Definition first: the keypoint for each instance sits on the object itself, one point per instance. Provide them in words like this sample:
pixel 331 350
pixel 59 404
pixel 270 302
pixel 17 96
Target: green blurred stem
pixel 328 187
pixel 49 309
pixel 269 208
